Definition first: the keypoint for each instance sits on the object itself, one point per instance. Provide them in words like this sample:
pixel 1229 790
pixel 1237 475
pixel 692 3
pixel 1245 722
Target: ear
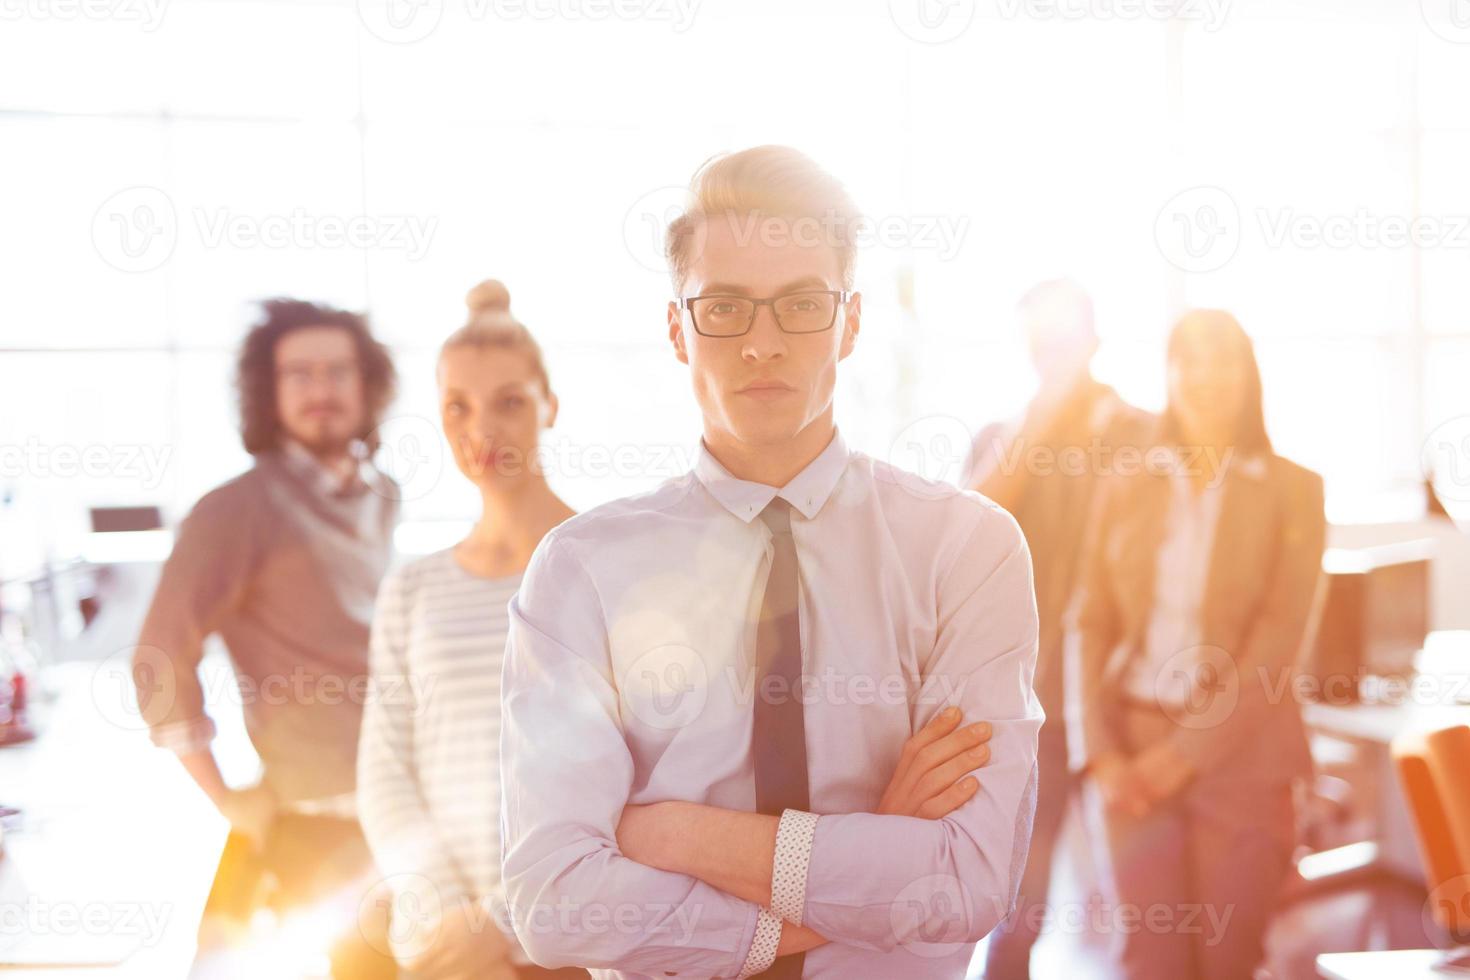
pixel 851 325
pixel 676 332
pixel 551 406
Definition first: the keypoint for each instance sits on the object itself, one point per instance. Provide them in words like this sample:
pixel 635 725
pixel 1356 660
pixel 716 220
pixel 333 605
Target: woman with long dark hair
pixel 1196 597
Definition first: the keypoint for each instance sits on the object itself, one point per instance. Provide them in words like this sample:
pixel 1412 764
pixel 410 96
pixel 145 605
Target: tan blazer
pixel 1263 588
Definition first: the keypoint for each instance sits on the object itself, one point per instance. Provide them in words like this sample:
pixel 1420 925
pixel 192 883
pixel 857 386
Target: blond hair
pixel 491 326
pixel 767 181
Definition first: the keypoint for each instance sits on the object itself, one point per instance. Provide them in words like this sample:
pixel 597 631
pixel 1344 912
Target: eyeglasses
pixel 804 311
pixel 338 374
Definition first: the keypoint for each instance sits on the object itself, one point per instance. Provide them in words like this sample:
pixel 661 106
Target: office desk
pixel 1395 964
pixel 1370 727
pixel 113 838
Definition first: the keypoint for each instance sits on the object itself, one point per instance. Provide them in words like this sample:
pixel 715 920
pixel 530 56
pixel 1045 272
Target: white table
pixel 114 840
pixel 1395 964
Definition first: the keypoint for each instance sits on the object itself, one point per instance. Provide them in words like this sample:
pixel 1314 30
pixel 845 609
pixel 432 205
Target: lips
pixel 767 386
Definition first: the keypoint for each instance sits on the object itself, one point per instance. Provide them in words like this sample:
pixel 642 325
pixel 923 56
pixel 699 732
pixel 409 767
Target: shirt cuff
pixel 184 737
pixel 793 856
pixel 763 947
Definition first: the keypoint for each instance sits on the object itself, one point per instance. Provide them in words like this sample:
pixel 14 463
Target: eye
pixel 454 408
pixel 512 403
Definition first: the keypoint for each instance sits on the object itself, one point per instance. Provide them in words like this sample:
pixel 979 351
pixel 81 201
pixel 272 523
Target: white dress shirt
pixel 629 676
pixel 1168 669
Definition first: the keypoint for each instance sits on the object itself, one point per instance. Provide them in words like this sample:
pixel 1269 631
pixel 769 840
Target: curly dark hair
pixel 255 375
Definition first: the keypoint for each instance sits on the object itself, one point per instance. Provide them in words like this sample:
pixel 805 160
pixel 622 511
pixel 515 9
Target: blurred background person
pixel 1043 468
pixel 429 763
pixel 1196 597
pixel 282 563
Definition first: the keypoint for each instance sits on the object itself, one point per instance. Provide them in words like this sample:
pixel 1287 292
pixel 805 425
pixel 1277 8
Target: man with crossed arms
pixel 744 714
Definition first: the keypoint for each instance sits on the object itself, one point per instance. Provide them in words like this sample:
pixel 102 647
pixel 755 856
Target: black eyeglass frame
pixel 687 303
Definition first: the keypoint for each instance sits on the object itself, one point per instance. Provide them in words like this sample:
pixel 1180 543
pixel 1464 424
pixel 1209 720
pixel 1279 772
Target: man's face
pixel 1060 336
pixel 765 387
pixel 319 391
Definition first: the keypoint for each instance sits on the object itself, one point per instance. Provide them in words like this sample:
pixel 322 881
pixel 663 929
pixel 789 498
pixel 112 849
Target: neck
pixel 513 520
pixel 339 461
pixel 776 464
pixel 1215 453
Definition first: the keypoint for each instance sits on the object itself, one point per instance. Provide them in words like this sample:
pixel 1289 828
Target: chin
pixel 324 443
pixel 766 430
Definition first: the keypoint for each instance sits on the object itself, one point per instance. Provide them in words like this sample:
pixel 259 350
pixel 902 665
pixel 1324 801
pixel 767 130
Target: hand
pixel 468 944
pixel 1121 787
pixel 250 811
pixel 504 970
pixel 1162 770
pixel 928 782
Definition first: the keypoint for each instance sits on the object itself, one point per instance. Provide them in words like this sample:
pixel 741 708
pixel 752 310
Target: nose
pixel 765 339
pixel 483 436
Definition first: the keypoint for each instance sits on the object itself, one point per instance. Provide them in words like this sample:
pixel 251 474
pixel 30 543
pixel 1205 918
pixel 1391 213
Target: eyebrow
pixel 510 387
pixel 307 361
pixel 805 282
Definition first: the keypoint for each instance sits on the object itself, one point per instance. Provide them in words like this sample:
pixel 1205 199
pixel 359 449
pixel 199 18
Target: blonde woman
pixel 1195 599
pixel 428 765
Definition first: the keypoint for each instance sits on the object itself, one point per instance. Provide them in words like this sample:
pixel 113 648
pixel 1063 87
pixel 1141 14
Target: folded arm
pixel 940 861
pixel 574 897
pixel 883 880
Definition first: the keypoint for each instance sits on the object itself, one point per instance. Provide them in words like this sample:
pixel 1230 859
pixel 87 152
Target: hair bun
pixel 488 296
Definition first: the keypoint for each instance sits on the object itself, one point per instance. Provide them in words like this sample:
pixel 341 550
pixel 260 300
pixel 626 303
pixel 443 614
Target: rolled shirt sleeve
pixel 574 899
pixel 881 881
pixel 206 576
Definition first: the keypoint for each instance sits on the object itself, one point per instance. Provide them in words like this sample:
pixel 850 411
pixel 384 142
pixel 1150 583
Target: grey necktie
pixel 779 739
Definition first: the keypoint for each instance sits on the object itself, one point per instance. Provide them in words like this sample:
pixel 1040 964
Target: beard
pixel 323 436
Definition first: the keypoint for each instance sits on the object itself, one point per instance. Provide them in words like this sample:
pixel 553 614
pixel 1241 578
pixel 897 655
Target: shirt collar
pixel 1231 463
pixel 808 491
pixel 323 479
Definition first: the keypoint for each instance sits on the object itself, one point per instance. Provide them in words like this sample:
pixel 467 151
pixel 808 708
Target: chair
pixel 1434 770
